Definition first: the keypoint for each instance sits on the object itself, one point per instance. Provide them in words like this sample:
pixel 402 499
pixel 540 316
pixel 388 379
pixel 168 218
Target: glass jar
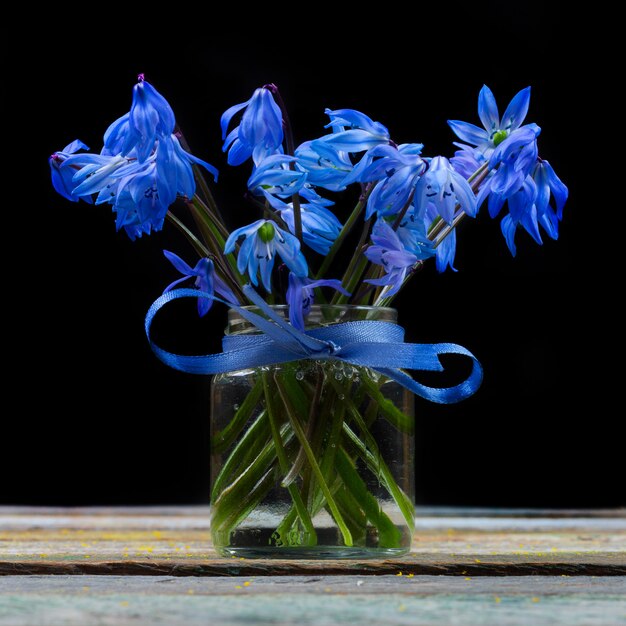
pixel 311 458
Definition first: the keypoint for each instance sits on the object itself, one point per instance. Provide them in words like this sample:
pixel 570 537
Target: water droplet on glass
pixel 342 396
pixel 299 375
pixel 338 375
pixel 236 407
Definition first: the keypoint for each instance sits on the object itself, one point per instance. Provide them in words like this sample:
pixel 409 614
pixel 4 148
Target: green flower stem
pixel 387 408
pixel 217 236
pixel 248 501
pixel 375 271
pixel 327 464
pixel 300 434
pixel 284 463
pixel 198 174
pixel 349 507
pixel 356 267
pixel 301 394
pixel 252 439
pixel 222 440
pixel 197 245
pixel 388 533
pixel 372 457
pixel 312 494
pixel 231 501
pixel 326 442
pixel 347 227
pixel 283 530
pixel 297 213
pixel 200 220
pixel 336 410
pixel 210 201
pixel 351 286
pixel 310 430
pixel 352 514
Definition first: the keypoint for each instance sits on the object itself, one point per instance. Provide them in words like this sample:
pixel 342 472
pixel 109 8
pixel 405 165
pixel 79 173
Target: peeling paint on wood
pixel 176 542
pixel 324 600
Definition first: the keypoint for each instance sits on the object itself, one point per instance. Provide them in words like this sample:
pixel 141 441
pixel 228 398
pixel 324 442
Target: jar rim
pixel 343 312
pixel 321 307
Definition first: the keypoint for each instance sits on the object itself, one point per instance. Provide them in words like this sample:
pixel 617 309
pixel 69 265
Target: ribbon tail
pixel 441 395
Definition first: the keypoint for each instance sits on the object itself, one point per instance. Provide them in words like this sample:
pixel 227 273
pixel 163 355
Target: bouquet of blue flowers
pixel 318 364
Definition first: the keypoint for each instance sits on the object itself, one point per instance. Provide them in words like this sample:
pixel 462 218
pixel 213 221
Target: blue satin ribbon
pixel 367 343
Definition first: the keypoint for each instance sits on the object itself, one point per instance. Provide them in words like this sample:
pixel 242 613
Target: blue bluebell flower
pixel 205 279
pixel 413 233
pixel 325 167
pixel 549 184
pixel 62 177
pixel 388 251
pixel 91 173
pixel 140 202
pixel 530 208
pixel 445 252
pixel 495 130
pixel 522 212
pixel 320 227
pixel 396 170
pixel 141 169
pixel 353 132
pixel 300 296
pixel 308 193
pixel 467 160
pixel 441 189
pixel 175 165
pixel 260 131
pixel 140 192
pixel 263 240
pixel 274 177
pixel 514 159
pixel 150 118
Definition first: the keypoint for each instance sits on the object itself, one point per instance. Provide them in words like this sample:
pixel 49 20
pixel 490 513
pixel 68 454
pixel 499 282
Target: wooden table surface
pixel 157 566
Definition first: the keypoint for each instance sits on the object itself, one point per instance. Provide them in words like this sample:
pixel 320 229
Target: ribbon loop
pixel 358 343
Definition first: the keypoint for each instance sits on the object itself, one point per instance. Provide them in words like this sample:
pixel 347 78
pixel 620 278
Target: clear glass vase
pixel 312 458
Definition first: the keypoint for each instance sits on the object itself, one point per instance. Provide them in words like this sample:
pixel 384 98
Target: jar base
pixel 311 552
pixel 260 543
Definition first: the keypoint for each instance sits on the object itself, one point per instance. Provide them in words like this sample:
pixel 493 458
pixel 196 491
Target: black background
pixel 92 417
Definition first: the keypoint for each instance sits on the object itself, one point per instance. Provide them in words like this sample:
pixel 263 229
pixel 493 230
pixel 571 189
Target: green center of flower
pixel 499 137
pixel 266 232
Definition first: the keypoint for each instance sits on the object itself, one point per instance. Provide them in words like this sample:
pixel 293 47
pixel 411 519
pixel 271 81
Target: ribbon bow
pixel 367 343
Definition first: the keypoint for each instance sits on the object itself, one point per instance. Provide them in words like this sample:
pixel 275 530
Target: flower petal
pixel 516 111
pixel 468 132
pixel 488 110
pixel 229 114
pixel 178 263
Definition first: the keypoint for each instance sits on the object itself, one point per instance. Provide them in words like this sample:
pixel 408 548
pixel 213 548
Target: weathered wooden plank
pixel 319 601
pixel 177 542
pixel 420 511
